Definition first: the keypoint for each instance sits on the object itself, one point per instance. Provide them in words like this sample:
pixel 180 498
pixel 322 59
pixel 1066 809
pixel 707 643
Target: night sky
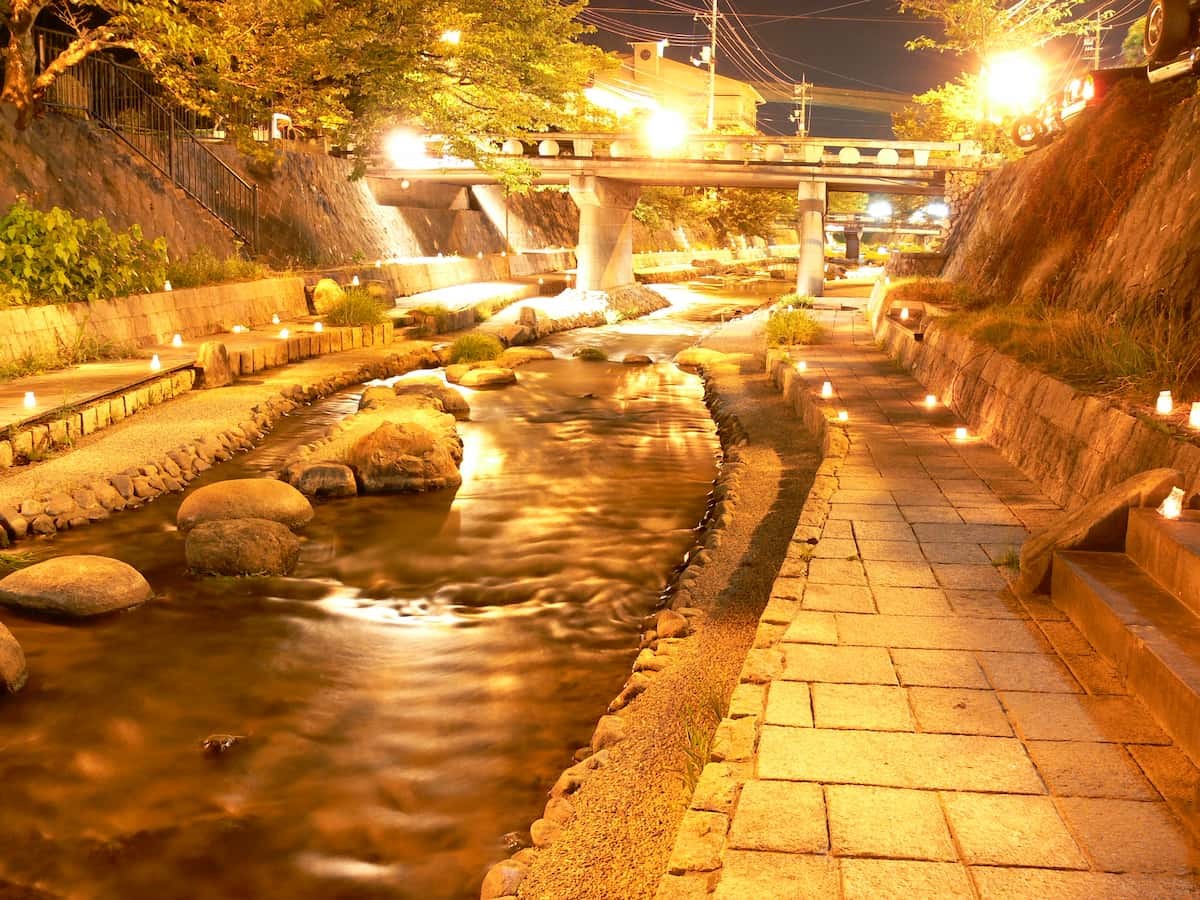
pixel 839 43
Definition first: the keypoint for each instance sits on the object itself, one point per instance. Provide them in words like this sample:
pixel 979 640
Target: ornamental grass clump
pixel 356 307
pixel 789 327
pixel 475 348
pixel 795 301
pixel 204 267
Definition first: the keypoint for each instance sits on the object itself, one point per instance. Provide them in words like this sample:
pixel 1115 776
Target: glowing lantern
pixel 166 285
pixel 930 401
pixel 960 433
pixel 904 314
pixel 283 334
pixel 1165 404
pixel 801 366
pixel 30 400
pixel 354 282
pixel 319 327
pixel 843 415
pixel 1194 418
pixel 827 390
pixel 275 319
pixel 177 340
pixel 1172 506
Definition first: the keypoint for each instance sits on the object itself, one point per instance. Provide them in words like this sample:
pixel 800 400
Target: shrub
pixel 432 319
pixel 475 347
pixel 203 267
pixel 795 301
pixel 84 348
pixel 938 292
pixel 356 307
pixel 52 257
pixel 590 354
pixel 791 326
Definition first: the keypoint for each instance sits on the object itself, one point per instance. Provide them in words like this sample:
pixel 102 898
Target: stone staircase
pixel 1141 610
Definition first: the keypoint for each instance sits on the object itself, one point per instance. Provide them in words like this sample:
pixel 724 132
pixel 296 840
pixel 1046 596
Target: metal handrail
pixel 122 99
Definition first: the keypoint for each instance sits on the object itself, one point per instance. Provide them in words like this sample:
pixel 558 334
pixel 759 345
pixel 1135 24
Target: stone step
pixel 1169 549
pixel 1151 638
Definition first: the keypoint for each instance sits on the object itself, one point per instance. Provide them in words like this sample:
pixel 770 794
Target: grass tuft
pixel 788 327
pixel 357 307
pixel 475 348
pixel 591 354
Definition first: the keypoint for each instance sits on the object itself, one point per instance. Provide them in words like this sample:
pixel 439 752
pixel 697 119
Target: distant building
pixel 649 80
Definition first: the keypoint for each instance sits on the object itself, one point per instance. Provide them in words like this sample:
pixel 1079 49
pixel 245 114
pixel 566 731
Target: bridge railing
pixel 750 148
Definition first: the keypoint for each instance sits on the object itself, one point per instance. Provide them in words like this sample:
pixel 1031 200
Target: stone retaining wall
pixel 405 278
pixel 1072 445
pixel 146 319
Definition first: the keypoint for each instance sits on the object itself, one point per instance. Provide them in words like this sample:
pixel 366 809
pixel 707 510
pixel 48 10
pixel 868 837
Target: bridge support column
pixel 853 247
pixel 605 253
pixel 810 279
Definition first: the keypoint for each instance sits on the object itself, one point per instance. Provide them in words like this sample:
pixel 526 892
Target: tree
pixel 753 212
pixel 984 28
pixel 1133 47
pixel 462 68
pixel 951 112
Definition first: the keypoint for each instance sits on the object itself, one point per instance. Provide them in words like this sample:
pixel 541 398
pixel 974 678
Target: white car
pixel 1172 44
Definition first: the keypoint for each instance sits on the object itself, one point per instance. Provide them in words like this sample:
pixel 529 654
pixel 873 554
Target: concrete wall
pixel 1074 446
pixel 147 319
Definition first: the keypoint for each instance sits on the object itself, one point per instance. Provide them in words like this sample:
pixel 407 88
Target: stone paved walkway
pixel 906 727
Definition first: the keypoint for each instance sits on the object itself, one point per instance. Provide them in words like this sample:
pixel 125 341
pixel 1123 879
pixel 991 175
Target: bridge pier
pixel 810 278
pixel 605 253
pixel 853 245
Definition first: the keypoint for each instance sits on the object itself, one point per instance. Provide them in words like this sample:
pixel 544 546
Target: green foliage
pixel 788 327
pixel 1133 45
pixel 356 307
pixel 52 257
pixel 848 202
pixel 727 212
pixel 590 354
pixel 475 347
pixel 84 348
pixel 795 301
pixel 936 292
pixel 952 112
pixel 203 267
pixel 1011 560
pixel 753 213
pixel 985 28
pixel 432 318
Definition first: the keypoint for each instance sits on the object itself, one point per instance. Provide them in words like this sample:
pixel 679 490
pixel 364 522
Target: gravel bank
pixel 617 842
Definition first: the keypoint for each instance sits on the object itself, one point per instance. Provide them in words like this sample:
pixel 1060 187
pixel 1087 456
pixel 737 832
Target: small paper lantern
pixel 827 390
pixel 960 433
pixel 30 400
pixel 283 333
pixel 177 340
pixel 1165 404
pixel 843 415
pixel 155 363
pixel 930 401
pixel 319 327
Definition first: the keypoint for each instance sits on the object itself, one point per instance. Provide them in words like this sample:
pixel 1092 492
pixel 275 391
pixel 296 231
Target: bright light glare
pixel 1013 82
pixel 405 149
pixel 880 209
pixel 452 36
pixel 666 132
pixel 938 210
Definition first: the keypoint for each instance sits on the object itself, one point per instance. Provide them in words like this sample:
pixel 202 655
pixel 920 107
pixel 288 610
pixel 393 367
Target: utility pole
pixel 712 61
pixel 1096 48
pixel 802 96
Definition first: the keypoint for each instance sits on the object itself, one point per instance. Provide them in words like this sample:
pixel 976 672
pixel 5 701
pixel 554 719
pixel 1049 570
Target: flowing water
pixel 408 694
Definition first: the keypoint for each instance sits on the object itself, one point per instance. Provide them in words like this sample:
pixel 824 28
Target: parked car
pixel 1080 93
pixel 1172 42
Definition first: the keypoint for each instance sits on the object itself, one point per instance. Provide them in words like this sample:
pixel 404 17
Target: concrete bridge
pixel 605 172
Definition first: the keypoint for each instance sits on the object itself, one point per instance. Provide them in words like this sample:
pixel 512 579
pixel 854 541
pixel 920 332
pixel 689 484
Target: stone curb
pixel 696 858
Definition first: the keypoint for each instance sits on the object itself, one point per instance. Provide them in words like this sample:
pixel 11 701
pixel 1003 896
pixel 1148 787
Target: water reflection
pixel 408 694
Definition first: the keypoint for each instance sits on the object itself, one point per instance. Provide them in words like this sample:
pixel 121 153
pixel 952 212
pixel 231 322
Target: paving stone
pixel 1171 772
pixel 894 879
pixel 836 571
pixel 734 739
pixel 767 635
pixel 930 515
pixel 988 515
pixel 1078 717
pixel 872 497
pixel 958 711
pixel 812 628
pixel 888 822
pixel 1011 830
pixel 1042 609
pixel 1095 674
pixel 690 886
pixel 945 552
pixel 1067 639
pixel 839 598
pixel 969 577
pixel 897 759
pixel 776 876
pixel 747 700
pixel 936 633
pixel 871 707
pixel 931 496
pixel 969 534
pixel 883 531
pixel 844 665
pixel 1021 884
pixel 789 703
pixel 762 666
pixel 939 668
pixel 882 573
pixel 838 528
pixel 1131 835
pixel 834 548
pixel 1085 769
pixel 891 551
pixel 1028 672
pixel 911 601
pixel 699 842
pixel 780 815
pixel 987 604
pixel 861 512
pixel 717 788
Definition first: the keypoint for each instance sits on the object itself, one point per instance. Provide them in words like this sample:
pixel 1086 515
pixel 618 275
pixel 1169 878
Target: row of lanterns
pixel 1165 405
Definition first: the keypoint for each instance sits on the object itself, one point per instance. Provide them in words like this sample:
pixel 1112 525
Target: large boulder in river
pixel 404 456
pixel 212 360
pixel 75 586
pixel 324 479
pixel 451 401
pixel 242 547
pixel 518 356
pixel 12 663
pixel 489 377
pixel 245 498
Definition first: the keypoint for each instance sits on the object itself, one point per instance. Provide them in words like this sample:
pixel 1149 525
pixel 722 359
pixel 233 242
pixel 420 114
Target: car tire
pixel 1167 25
pixel 1027 131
